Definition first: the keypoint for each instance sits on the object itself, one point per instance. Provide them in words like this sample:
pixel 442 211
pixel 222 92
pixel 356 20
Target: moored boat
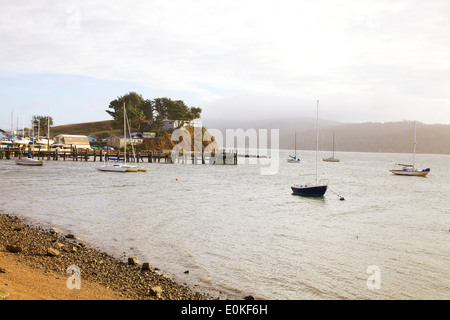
pixel 294 159
pixel 116 166
pixel 113 167
pixel 319 188
pixel 410 169
pixel 29 162
pixel 310 190
pixel 332 158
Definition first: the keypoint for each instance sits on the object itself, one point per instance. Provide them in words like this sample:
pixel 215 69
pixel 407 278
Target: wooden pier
pixel 151 156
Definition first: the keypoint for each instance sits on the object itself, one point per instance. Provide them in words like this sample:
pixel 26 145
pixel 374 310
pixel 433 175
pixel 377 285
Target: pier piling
pixel 153 156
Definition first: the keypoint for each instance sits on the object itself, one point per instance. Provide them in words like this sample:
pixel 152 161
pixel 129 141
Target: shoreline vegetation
pixel 34 264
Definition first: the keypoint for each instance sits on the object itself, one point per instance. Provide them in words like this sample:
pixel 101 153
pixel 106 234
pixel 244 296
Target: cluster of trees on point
pixel 145 114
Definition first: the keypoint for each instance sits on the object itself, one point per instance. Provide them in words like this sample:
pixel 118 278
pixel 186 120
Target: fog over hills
pixel 389 137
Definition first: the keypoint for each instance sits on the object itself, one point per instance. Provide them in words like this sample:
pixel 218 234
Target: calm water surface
pixel 240 233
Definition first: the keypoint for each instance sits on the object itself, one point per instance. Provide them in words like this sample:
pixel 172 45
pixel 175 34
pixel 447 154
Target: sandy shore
pixel 34 266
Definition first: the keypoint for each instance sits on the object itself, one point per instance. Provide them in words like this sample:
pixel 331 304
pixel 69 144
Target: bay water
pixel 241 232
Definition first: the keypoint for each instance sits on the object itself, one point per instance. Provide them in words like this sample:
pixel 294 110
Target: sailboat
pixel 30 161
pixel 410 169
pixel 118 166
pixel 332 158
pixel 316 189
pixel 294 159
pixel 132 168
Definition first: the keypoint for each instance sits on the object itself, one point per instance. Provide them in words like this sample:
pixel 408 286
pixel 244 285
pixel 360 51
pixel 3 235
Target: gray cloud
pixel 369 58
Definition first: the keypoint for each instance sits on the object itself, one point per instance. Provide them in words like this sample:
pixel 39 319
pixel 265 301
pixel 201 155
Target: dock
pixel 151 156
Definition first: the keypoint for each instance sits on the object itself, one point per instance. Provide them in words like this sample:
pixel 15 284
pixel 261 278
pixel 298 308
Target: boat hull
pixel 330 159
pixel 120 168
pixel 113 168
pixel 422 173
pixel 131 168
pixel 309 190
pixel 29 162
pixel 293 159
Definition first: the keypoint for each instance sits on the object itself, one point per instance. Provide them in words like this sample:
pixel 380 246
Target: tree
pixel 150 114
pixel 139 110
pixel 41 123
pixel 168 109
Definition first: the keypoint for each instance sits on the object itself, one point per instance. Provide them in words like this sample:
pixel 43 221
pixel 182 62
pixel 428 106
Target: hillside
pixel 389 137
pixel 101 129
pixel 395 137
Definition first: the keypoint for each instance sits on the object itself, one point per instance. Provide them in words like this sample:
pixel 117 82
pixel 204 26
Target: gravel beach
pixel 48 253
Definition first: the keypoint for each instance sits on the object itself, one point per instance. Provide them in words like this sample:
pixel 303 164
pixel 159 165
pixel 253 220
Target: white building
pixel 174 124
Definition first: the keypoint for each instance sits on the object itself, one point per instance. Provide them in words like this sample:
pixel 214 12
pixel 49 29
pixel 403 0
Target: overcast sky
pixel 367 60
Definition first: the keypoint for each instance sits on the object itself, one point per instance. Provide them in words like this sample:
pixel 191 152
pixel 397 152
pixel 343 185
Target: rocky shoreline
pixel 50 251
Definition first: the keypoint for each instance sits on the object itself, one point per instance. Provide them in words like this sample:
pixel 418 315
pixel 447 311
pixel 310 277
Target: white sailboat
pixel 30 160
pixel 118 166
pixel 113 167
pixel 132 168
pixel 410 169
pixel 318 188
pixel 332 158
pixel 294 159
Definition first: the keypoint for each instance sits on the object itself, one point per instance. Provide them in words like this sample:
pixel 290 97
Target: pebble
pixel 3 294
pixel 146 266
pixel 132 261
pixel 52 252
pixel 3 270
pixel 14 249
pixel 156 291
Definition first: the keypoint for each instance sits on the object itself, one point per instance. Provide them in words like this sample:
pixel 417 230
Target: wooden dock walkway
pixel 151 156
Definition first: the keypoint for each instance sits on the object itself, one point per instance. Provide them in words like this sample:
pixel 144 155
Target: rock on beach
pixel 14 248
pixel 133 261
pixel 52 252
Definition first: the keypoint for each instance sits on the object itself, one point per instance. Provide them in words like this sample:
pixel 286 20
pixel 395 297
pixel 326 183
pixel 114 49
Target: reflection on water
pixel 239 232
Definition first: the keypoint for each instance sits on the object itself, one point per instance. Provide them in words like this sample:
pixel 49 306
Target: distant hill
pixel 101 129
pixel 389 137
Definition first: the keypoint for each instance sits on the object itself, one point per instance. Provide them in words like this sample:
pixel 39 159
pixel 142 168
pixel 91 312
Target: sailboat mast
pixel 124 135
pixel 34 138
pixel 48 134
pixel 295 144
pixel 333 144
pixel 414 153
pixel 317 135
